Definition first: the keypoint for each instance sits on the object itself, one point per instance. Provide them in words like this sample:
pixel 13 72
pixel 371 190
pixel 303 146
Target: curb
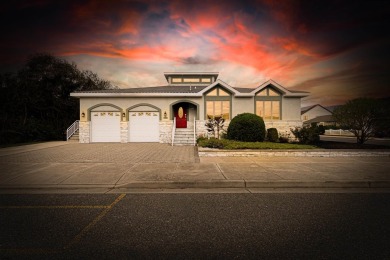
pixel 211 152
pixel 210 184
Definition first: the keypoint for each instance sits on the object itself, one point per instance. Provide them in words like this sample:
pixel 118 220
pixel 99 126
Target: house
pixel 177 112
pixel 316 114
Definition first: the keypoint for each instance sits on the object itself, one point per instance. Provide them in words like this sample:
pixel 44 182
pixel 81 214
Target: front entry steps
pixel 184 136
pixel 74 137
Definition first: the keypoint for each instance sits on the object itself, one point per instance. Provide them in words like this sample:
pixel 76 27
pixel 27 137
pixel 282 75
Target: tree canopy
pixel 35 100
pixel 364 117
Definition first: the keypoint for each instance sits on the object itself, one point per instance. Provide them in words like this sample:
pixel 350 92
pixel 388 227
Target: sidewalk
pixel 48 168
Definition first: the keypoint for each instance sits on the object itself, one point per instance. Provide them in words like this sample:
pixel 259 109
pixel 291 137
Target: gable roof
pixel 285 91
pixel 318 119
pixel 185 91
pixel 308 108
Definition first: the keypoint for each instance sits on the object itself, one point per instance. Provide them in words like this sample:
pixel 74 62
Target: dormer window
pixel 191 78
pixel 176 80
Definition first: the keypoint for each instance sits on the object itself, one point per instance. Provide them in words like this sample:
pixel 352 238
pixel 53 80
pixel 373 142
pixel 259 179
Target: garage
pixel 105 126
pixel 144 126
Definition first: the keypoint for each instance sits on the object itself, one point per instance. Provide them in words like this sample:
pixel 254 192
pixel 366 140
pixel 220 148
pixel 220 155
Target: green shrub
pixel 321 129
pixel 211 143
pixel 246 127
pixel 307 135
pixel 283 139
pixel 272 135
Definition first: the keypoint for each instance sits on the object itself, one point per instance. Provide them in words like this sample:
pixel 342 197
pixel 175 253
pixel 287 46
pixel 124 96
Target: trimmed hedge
pixel 272 135
pixel 246 127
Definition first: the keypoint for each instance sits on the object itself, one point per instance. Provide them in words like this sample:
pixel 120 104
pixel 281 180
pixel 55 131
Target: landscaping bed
pixel 236 145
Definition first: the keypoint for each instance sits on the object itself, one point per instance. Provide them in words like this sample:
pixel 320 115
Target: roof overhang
pixel 79 95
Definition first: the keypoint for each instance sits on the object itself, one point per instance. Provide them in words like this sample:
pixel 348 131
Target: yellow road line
pixel 28 250
pixel 57 207
pixel 77 238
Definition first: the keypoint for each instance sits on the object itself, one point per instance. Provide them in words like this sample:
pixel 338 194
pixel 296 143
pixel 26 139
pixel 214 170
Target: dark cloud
pixel 291 41
pixel 197 60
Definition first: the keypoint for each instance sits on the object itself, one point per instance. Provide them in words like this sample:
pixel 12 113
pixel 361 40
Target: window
pixel 262 93
pixel 268 104
pixel 218 92
pixel 268 110
pixel 268 92
pixel 176 80
pixel 213 92
pixel 191 80
pixel 206 80
pixel 216 109
pixel 218 104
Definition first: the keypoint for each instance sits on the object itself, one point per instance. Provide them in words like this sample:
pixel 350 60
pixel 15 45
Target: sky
pixel 336 50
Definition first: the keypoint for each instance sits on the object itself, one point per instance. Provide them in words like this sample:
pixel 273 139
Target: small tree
pixel 215 126
pixel 307 135
pixel 359 116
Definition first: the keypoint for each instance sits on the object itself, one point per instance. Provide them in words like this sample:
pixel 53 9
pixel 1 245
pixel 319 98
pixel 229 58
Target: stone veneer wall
pixel 84 132
pixel 284 127
pixel 166 131
pixel 200 128
pixel 124 131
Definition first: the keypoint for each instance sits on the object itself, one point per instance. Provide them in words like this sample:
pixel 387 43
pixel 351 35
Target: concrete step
pixel 75 137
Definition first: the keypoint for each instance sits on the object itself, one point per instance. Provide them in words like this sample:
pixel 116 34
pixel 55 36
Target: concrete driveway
pixel 108 166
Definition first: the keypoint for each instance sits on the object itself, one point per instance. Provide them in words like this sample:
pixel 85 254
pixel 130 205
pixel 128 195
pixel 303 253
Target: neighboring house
pixel 316 114
pixel 180 109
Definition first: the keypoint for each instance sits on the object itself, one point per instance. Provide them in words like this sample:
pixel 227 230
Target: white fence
pixel 338 132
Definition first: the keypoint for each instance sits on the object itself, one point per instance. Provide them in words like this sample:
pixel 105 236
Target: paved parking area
pixel 149 165
pixel 62 152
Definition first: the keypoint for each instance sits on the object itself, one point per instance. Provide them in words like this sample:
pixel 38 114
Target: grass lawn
pixel 233 145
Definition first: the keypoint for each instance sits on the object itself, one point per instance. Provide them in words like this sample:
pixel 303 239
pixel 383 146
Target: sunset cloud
pixel 328 48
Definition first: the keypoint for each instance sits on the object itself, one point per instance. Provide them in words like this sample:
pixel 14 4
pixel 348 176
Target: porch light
pixel 165 115
pixel 82 114
pixel 123 115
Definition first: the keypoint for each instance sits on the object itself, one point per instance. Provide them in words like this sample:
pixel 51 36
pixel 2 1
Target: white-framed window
pixel 268 104
pixel 218 104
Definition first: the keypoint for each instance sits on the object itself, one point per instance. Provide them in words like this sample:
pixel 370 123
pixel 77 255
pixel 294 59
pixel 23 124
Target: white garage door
pixel 105 126
pixel 144 127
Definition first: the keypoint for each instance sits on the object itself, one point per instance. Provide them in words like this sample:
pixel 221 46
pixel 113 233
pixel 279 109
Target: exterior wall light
pixel 82 114
pixel 123 114
pixel 165 115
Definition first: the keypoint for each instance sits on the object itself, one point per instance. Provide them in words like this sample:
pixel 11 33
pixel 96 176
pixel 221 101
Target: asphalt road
pixel 290 225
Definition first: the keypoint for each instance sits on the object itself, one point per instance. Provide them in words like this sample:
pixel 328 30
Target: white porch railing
pixel 173 130
pixel 194 132
pixel 338 132
pixel 72 129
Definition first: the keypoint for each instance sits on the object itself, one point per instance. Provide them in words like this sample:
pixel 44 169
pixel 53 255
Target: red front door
pixel 181 117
